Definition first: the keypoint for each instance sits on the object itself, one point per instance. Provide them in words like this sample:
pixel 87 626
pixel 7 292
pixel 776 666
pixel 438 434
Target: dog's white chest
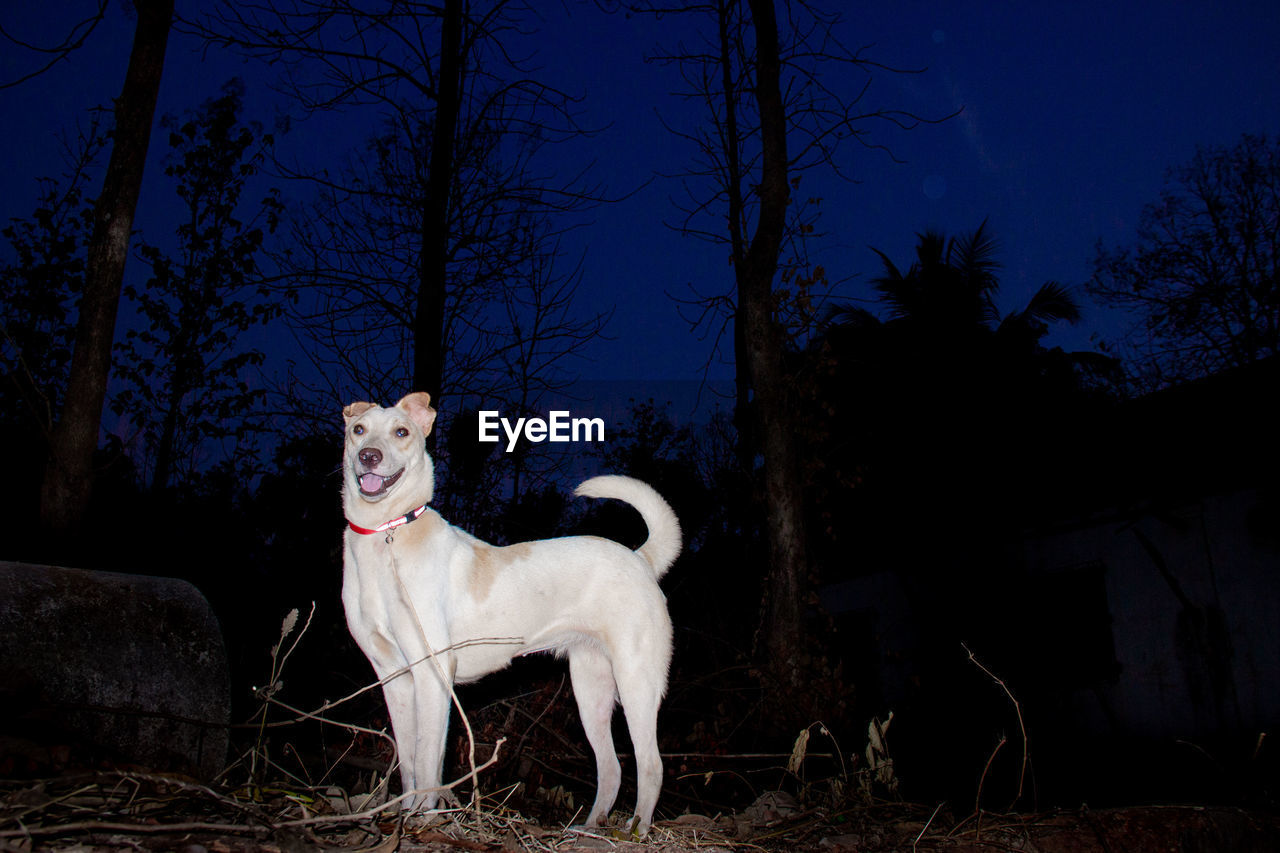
pixel 379 605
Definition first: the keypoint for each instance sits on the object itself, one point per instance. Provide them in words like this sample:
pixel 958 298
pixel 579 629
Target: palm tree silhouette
pixel 942 324
pixel 940 406
pixel 948 293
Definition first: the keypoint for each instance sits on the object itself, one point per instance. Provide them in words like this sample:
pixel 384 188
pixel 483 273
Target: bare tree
pixel 65 493
pixel 408 260
pixel 356 260
pixel 720 201
pixel 1202 279
pixel 774 114
pixel 762 343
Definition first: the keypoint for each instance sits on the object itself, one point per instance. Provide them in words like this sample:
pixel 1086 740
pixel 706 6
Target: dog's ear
pixel 355 410
pixel 418 406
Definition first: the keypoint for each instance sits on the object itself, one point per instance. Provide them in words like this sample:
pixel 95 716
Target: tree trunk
pixel 732 141
pixel 764 343
pixel 168 437
pixel 68 481
pixel 429 318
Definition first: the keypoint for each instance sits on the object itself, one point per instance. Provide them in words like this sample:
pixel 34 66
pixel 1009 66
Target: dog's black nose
pixel 370 458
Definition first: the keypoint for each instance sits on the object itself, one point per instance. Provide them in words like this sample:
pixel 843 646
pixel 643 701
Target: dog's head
pixel 386 471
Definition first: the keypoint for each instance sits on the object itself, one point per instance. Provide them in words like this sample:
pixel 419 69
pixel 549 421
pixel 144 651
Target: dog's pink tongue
pixel 370 483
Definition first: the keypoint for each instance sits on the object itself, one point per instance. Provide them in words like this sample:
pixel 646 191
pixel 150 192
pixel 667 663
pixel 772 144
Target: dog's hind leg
pixel 641 693
pixel 596 692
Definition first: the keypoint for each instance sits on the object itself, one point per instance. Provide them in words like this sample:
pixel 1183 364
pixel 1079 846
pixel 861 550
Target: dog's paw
pixel 628 831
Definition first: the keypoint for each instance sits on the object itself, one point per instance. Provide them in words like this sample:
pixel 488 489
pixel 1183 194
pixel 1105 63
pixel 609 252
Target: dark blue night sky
pixel 1072 112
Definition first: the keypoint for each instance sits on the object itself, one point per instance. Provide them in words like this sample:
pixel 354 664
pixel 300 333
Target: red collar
pixel 388 525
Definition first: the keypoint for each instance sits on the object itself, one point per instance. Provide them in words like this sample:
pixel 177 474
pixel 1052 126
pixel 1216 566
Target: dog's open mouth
pixel 372 484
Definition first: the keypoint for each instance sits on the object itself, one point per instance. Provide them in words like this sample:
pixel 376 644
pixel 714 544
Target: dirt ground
pixel 1174 828
pixel 118 811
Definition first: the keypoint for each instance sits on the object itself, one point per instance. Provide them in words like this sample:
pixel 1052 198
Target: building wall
pixel 1193 594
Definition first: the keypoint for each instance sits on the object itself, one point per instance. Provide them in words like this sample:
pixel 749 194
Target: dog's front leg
pixel 401 698
pixel 431 705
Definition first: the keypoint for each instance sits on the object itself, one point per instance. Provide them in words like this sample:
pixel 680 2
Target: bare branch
pixel 75 38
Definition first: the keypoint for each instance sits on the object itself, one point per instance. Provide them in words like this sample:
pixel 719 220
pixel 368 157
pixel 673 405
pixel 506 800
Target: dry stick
pixel 927 824
pixel 146 828
pixel 297 639
pixel 445 678
pixel 330 705
pixel 1022 773
pixel 18 816
pixel 431 655
pixel 317 715
pixel 268 825
pixel 571 749
pixel 472 775
pixel 277 667
pixel 252 811
pixel 752 756
pixel 300 715
pixel 268 693
pixel 977 800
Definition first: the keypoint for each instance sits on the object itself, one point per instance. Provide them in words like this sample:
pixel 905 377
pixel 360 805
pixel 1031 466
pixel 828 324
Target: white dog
pixel 423 595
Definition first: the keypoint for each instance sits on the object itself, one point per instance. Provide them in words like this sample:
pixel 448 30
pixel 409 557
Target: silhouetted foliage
pixel 935 430
pixel 943 415
pixel 1202 278
pixel 39 286
pixel 186 372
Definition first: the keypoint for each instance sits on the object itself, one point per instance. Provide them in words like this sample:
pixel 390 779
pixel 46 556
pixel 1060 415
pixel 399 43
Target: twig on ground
pixel 982 780
pixel 260 822
pixel 1017 707
pixel 371 812
pixel 927 824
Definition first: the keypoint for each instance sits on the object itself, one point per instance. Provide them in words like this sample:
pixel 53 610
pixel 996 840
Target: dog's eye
pixel 402 432
pixel 358 429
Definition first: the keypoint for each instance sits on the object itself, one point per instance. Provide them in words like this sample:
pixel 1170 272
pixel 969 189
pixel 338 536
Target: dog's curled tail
pixel 663 545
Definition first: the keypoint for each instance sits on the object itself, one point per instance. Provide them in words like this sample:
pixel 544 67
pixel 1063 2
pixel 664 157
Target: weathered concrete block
pixel 112 667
